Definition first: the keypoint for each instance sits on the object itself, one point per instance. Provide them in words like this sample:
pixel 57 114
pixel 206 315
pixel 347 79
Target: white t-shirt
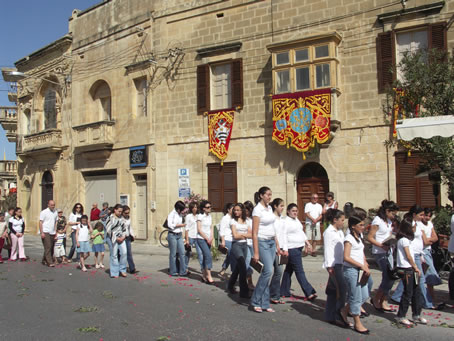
pixel 174 219
pixel 333 247
pixel 225 230
pixel 191 225
pixel 281 233
pixel 84 233
pixel 428 232
pixel 73 219
pixel 417 244
pixel 384 230
pixel 206 221
pixel 295 234
pixel 249 224
pixel 357 250
pixel 402 261
pixel 48 218
pixel 267 218
pixel 315 211
pixel 451 240
pixel 17 224
pixel 240 228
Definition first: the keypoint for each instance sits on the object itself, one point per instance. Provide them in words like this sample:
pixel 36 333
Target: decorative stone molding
pixel 48 141
pixel 96 136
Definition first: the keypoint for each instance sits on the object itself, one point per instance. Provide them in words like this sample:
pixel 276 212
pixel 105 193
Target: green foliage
pixel 10 201
pixel 442 220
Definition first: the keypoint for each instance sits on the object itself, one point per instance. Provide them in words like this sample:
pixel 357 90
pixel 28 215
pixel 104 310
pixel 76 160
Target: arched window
pixel 50 109
pixel 27 122
pixel 101 96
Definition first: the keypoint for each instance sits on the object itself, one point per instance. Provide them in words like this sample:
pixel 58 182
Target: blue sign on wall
pixel 138 156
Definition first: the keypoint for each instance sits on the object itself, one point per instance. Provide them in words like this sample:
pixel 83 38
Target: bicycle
pixel 163 238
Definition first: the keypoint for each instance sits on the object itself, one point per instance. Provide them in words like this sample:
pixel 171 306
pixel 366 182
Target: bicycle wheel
pixel 163 238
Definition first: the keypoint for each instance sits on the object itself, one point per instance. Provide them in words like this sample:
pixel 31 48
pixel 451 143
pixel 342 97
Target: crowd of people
pixel 261 237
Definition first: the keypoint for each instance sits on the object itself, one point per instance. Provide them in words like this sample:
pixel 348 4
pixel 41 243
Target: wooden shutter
pixel 203 88
pixel 229 183
pixel 385 60
pixel 438 36
pixel 237 83
pixel 222 185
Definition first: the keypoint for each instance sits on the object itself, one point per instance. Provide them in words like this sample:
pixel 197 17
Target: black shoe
pixel 186 274
pixel 364 314
pixel 364 332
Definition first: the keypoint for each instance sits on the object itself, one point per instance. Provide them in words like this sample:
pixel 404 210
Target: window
pixel 50 109
pixel 100 94
pixel 411 190
pixel 141 95
pixel 392 45
pixel 305 65
pixel 222 184
pixel 220 86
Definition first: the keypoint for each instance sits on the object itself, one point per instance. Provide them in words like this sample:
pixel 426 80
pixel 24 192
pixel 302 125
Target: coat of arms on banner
pixel 220 124
pixel 301 119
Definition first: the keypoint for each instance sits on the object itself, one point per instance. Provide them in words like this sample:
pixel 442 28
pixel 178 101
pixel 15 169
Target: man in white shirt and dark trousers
pixel 313 211
pixel 47 219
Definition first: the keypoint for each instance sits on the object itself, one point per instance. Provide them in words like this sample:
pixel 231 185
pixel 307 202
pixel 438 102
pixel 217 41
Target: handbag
pixel 165 225
pixel 391 266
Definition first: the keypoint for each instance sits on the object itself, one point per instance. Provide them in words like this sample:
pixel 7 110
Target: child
pixel 98 244
pixel 410 273
pixel 17 228
pixel 83 240
pixel 3 234
pixel 59 247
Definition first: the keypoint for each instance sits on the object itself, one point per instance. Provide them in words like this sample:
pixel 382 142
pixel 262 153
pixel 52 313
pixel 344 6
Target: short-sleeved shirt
pixel 16 224
pixel 84 233
pixel 61 223
pixel 48 218
pixel 94 214
pixel 74 218
pixel 315 211
pixel 225 230
pixel 281 233
pixel 357 250
pixel 249 224
pixel 417 244
pixel 384 231
pixel 333 247
pixel 60 238
pixel 402 261
pixel 206 221
pixel 191 225
pixel 428 232
pixel 99 239
pixel 240 228
pixel 267 218
pixel 295 233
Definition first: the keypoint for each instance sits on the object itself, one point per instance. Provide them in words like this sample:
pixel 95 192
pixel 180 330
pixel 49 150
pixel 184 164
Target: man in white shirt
pixel 313 211
pixel 47 219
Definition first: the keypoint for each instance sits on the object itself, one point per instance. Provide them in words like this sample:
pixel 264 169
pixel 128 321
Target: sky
pixel 26 26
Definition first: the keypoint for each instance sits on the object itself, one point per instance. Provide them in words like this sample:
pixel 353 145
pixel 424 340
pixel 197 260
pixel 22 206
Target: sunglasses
pixel 207 207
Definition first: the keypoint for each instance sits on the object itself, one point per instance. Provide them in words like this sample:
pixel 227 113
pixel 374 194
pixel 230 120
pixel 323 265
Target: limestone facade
pixel 125 76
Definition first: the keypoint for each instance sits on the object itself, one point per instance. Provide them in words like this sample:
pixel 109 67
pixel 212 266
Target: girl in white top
pixel 191 233
pixel 205 239
pixel 176 240
pixel 354 261
pixel 329 202
pixel 83 234
pixel 333 248
pixel 73 221
pixel 249 208
pixel 297 241
pixel 264 244
pixel 410 272
pixel 380 230
pixel 17 230
pixel 226 237
pixel 281 236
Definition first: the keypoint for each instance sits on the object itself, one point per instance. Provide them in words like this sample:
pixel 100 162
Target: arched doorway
pixel 312 178
pixel 47 188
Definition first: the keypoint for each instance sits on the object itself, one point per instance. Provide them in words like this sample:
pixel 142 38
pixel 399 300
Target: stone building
pixel 116 110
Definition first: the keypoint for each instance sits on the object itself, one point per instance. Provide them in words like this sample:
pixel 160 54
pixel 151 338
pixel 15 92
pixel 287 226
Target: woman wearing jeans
pixel 205 239
pixel 263 239
pixel 175 239
pixel 116 231
pixel 354 261
pixel 226 238
pixel 74 220
pixel 191 234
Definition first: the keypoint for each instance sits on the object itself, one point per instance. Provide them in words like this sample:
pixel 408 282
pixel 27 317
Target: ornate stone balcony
pixel 44 142
pixel 94 140
pixel 8 120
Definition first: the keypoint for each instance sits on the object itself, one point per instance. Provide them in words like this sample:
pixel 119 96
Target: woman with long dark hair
pixel 205 239
pixel 17 229
pixel 74 221
pixel 264 243
pixel 191 234
pixel 175 239
pixel 381 229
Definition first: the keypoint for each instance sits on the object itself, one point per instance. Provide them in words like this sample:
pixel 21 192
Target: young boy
pixel 59 247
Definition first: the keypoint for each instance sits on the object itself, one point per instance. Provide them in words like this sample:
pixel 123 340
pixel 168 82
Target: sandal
pixel 270 310
pixel 405 322
pixel 84 269
pixel 419 319
pixel 312 297
pixel 277 301
pixel 257 309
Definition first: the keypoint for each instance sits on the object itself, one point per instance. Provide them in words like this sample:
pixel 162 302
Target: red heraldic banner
pixel 302 118
pixel 220 124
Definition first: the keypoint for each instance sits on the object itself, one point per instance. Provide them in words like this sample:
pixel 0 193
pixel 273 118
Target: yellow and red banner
pixel 302 118
pixel 220 124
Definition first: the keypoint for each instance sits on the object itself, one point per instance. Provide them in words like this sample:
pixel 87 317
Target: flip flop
pixel 277 301
pixel 270 310
pixel 257 309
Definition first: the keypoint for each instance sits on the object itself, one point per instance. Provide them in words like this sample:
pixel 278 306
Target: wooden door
pixel 141 227
pixel 47 189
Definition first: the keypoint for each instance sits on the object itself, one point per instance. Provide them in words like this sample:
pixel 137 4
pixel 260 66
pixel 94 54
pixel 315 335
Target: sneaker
pixel 97 266
pixel 84 269
pixel 419 319
pixel 101 266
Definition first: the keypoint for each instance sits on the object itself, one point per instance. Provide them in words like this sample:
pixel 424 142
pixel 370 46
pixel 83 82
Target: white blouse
pixel 281 233
pixel 295 234
pixel 402 261
pixel 73 219
pixel 249 224
pixel 428 231
pixel 333 247
pixel 225 230
pixel 240 228
pixel 417 244
pixel 267 218
pixel 356 251
pixel 206 222
pixel 174 219
pixel 384 230
pixel 17 224
pixel 191 225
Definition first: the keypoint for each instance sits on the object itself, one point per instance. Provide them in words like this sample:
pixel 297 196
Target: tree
pixel 426 88
pixel 10 201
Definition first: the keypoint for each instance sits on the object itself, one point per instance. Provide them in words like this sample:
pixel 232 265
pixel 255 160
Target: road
pixel 63 303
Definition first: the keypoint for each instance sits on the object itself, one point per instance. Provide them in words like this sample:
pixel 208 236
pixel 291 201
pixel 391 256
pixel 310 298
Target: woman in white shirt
pixel 329 202
pixel 226 238
pixel 336 289
pixel 296 242
pixel 191 234
pixel 380 230
pixel 74 221
pixel 264 243
pixel 17 230
pixel 409 272
pixel 354 261
pixel 249 207
pixel 281 235
pixel 175 239
pixel 240 233
pixel 205 239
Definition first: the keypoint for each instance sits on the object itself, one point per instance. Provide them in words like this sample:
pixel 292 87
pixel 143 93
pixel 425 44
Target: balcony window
pixel 50 109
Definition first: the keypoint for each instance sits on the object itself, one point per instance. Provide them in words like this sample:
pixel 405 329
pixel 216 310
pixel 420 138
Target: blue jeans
pixel 73 247
pixel 132 266
pixel 207 262
pixel 275 285
pixel 295 264
pixel 118 266
pixel 431 274
pixel 250 252
pixel 386 282
pixel 188 254
pixel 427 300
pixel 336 292
pixel 239 252
pixel 357 294
pixel 267 252
pixel 229 259
pixel 176 245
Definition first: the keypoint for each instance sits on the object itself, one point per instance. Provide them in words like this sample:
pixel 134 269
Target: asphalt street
pixel 63 303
